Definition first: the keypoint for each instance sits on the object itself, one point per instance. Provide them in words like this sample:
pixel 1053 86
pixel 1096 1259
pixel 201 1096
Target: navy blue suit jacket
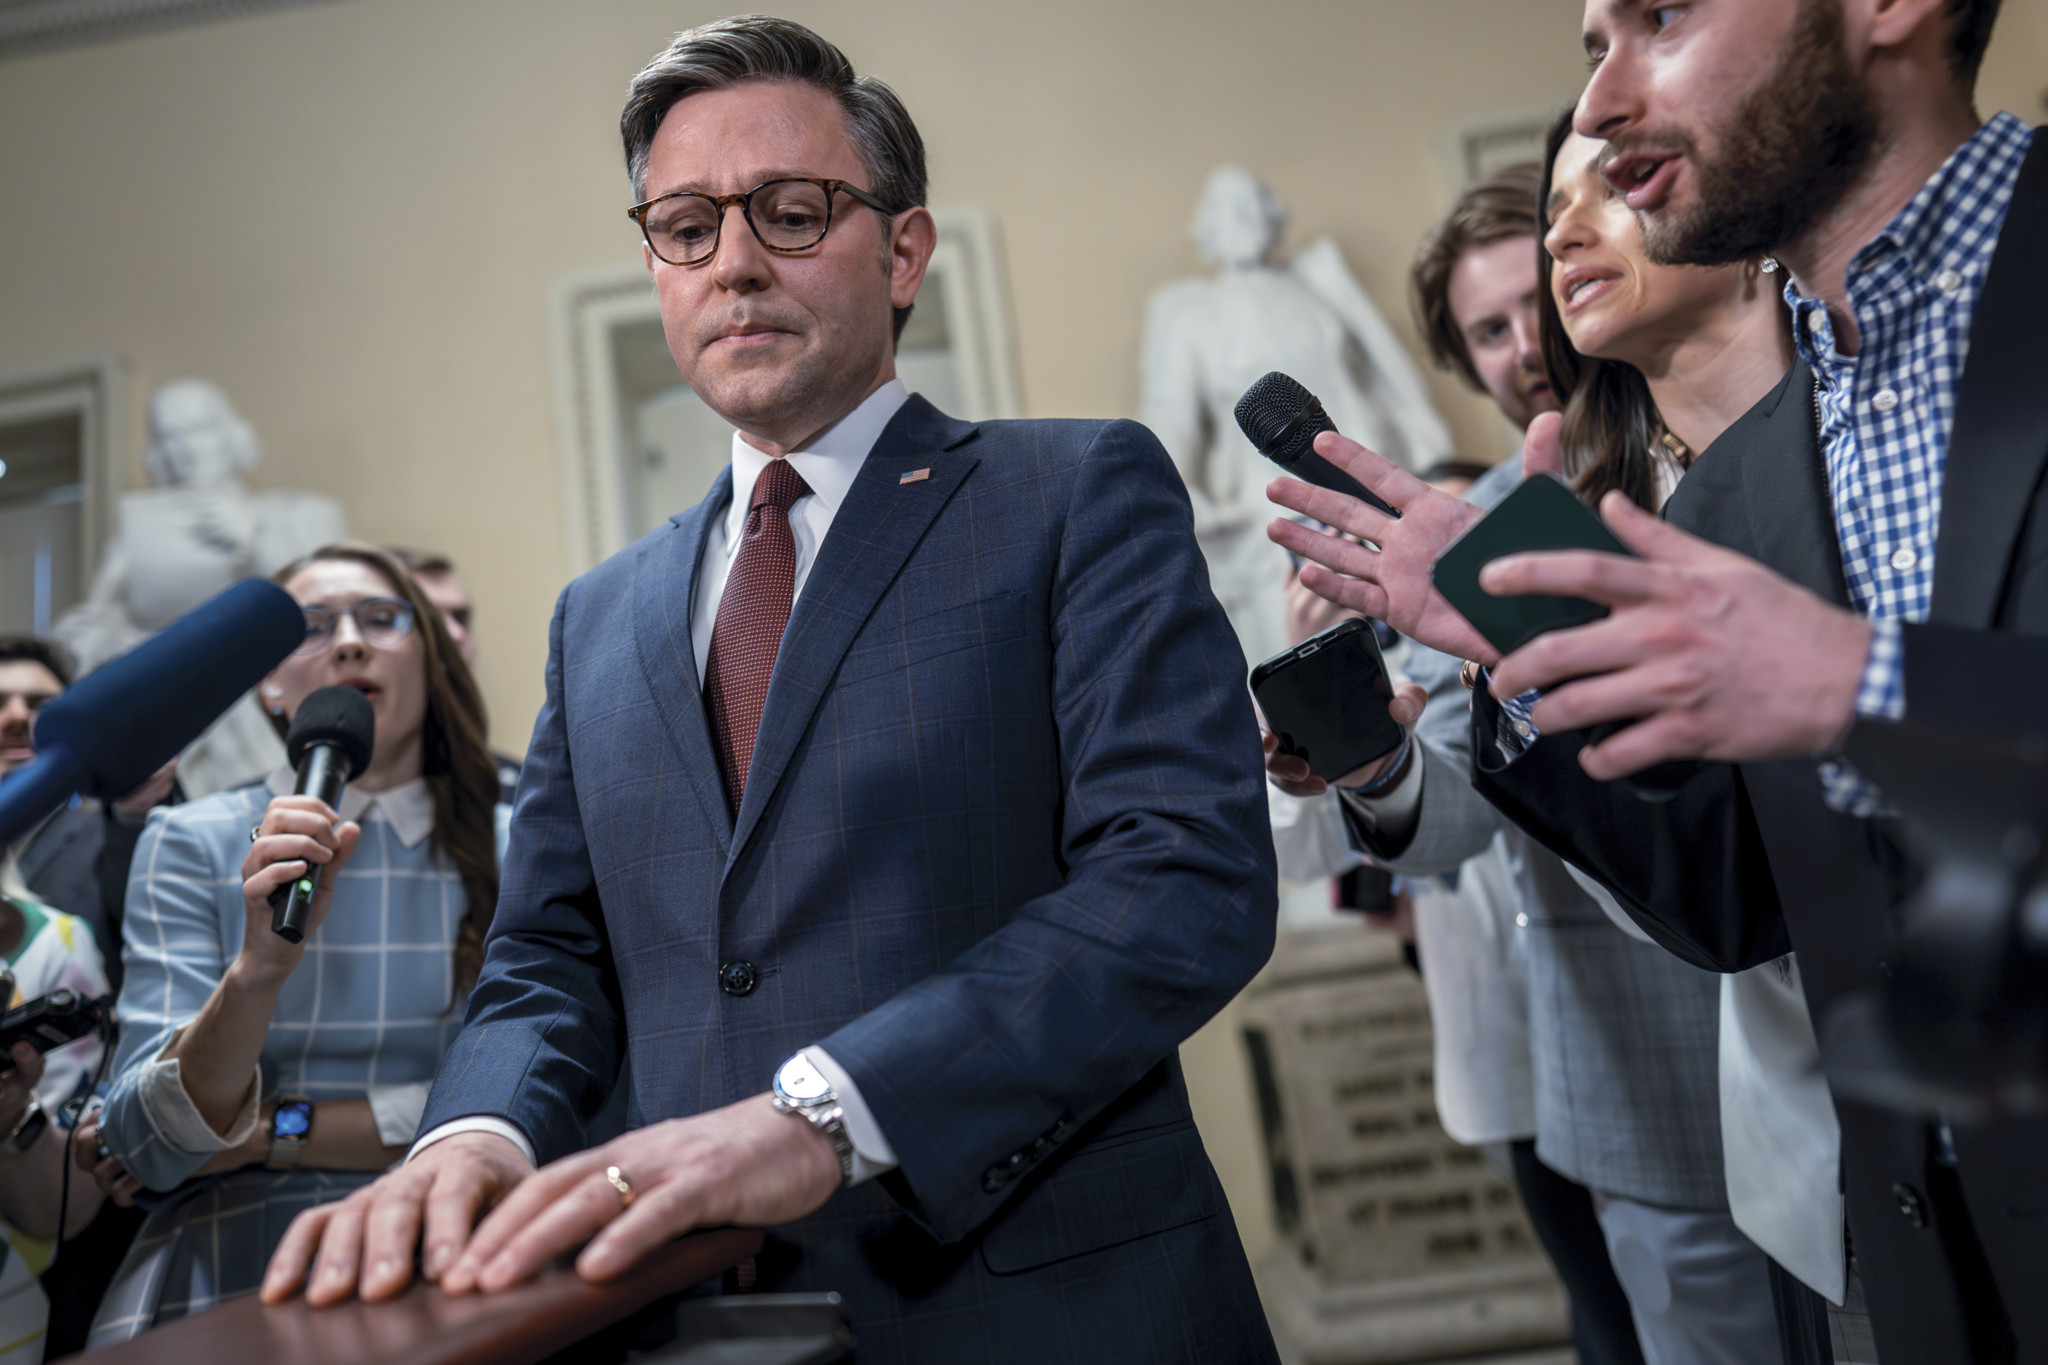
pixel 1003 847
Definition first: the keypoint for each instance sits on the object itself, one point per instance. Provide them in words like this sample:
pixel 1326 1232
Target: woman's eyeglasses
pixel 381 621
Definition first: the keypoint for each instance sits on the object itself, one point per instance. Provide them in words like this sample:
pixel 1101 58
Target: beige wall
pixel 350 216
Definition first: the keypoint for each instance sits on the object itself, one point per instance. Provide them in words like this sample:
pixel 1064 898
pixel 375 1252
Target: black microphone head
pixel 126 719
pixel 340 716
pixel 1281 418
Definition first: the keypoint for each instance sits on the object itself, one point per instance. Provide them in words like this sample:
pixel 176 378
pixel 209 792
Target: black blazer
pixel 1747 861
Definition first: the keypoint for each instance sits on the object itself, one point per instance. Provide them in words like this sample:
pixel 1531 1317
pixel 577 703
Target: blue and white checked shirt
pixel 1885 413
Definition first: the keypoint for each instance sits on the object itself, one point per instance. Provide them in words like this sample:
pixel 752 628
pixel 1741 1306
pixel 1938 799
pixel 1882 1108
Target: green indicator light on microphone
pixel 306 885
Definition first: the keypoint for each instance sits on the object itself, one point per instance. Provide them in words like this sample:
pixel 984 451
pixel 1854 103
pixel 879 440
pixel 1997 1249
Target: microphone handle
pixel 1314 469
pixel 322 774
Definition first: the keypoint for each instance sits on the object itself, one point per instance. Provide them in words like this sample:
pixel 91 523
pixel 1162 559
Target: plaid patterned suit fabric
pixel 752 615
pixel 1885 413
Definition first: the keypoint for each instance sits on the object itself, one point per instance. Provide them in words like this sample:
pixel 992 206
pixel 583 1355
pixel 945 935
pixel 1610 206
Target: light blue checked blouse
pixel 369 1010
pixel 1885 413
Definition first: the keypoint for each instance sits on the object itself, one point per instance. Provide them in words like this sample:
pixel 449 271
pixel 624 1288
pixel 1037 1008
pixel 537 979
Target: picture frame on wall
pixel 636 443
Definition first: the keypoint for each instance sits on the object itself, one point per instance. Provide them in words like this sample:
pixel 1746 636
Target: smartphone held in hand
pixel 1326 700
pixel 1541 514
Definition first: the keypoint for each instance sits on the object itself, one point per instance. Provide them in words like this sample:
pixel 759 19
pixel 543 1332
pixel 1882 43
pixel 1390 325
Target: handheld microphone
pixel 329 743
pixel 1283 419
pixel 106 734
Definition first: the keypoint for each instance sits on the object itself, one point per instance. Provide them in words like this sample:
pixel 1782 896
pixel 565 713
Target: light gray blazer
pixel 1623 1034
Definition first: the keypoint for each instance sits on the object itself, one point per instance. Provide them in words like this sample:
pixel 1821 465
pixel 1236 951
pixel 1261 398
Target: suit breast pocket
pixel 888 646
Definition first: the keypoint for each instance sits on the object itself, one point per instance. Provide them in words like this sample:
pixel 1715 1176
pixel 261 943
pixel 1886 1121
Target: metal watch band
pixel 830 1119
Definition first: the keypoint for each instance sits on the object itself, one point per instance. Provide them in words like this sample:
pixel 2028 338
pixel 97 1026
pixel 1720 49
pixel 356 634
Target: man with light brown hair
pixel 1473 291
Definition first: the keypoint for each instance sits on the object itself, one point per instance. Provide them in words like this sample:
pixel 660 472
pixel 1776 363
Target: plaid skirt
pixel 210 1244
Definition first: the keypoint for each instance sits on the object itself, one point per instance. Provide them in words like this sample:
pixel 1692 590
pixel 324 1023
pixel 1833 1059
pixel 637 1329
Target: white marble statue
pixel 192 533
pixel 1207 340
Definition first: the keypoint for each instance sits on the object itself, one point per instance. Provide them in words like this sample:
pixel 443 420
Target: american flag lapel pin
pixel 915 476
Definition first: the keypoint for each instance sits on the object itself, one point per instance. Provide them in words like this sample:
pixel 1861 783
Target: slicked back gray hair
pixel 758 47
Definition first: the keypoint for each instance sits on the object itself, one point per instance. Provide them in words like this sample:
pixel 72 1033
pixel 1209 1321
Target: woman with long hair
pixel 1654 363
pixel 256 1077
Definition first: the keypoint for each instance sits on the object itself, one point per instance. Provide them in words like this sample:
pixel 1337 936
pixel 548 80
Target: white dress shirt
pixel 829 464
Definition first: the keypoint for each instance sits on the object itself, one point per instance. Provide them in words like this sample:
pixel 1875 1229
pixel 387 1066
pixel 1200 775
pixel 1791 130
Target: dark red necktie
pixel 748 629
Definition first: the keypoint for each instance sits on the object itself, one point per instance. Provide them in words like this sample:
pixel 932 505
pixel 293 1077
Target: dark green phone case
pixel 1541 514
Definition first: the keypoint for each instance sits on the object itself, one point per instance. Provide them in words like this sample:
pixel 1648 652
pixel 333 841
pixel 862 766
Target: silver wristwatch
pixel 801 1089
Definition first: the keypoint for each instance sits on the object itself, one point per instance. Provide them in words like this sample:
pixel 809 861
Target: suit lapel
pixel 1785 484
pixel 662 601
pixel 2000 439
pixel 872 535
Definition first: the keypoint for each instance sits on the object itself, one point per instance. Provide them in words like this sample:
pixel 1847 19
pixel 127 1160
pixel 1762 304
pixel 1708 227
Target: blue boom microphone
pixel 106 735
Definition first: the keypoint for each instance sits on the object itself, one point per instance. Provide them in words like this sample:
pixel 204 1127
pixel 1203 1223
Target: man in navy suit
pixel 893 816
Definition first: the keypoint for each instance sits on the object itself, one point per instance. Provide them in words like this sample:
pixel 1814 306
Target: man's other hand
pixel 1710 653
pixel 745 1165
pixel 366 1241
pixel 1389 578
pixel 1290 774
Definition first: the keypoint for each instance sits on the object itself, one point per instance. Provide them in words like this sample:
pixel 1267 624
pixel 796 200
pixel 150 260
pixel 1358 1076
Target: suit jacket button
pixel 1911 1207
pixel 737 977
pixel 995 1178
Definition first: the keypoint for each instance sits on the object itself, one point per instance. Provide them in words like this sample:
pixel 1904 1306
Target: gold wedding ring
pixel 621 1184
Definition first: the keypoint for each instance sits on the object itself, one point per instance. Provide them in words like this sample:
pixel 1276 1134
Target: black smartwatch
pixel 290 1127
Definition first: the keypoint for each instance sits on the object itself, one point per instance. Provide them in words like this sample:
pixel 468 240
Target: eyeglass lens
pixel 381 621
pixel 787 215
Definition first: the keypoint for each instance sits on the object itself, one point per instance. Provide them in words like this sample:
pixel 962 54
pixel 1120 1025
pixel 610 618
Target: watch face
pixel 293 1120
pixel 802 1082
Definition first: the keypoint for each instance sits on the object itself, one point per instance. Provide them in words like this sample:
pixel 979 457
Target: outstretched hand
pixel 1713 655
pixel 1389 578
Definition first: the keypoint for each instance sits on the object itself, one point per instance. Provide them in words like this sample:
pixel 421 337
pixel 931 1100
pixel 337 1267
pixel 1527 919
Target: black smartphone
pixel 1326 699
pixel 1541 514
pixel 51 1021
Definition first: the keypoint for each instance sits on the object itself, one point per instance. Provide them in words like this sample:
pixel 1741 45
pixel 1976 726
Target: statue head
pixel 1238 221
pixel 196 438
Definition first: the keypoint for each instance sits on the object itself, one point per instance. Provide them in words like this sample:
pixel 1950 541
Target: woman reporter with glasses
pixel 256 1077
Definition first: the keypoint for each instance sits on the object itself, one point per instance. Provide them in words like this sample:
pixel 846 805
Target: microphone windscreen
pixel 1281 418
pixel 128 718
pixel 340 716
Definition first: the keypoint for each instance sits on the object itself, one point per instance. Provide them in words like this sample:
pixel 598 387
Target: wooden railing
pixel 423 1326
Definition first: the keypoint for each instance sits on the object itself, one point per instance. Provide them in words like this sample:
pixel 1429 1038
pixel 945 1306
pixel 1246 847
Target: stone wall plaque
pixel 1397 1243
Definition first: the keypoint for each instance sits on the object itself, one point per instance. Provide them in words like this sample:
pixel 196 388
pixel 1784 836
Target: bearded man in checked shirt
pixel 1870 543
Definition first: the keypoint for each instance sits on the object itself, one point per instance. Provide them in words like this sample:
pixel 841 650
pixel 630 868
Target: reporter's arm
pixel 1692 870
pixel 31 1182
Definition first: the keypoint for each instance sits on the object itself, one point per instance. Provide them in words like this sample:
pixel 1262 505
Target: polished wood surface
pixel 423 1326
